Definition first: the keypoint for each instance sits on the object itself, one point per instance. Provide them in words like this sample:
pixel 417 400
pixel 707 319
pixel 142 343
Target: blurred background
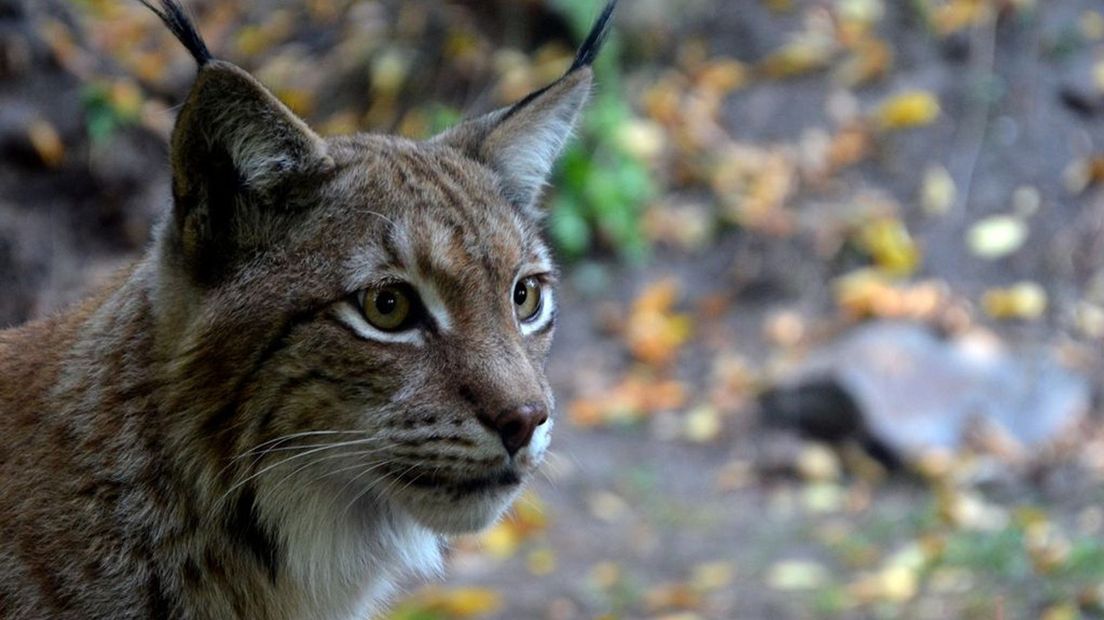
pixel 833 311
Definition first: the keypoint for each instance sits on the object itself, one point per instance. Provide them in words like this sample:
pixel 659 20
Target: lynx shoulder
pixel 331 359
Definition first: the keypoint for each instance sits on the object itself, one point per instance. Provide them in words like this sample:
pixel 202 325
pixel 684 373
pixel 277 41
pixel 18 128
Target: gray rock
pixel 913 391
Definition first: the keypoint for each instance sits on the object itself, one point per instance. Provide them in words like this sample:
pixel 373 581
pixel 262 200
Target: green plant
pixel 601 189
pixel 109 107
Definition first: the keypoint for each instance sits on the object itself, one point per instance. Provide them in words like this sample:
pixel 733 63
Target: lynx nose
pixel 515 426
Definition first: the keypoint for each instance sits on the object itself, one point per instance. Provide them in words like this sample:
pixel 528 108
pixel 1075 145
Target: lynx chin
pixel 331 358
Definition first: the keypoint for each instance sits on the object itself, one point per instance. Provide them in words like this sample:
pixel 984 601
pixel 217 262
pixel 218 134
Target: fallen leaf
pixel 703 424
pixel 870 60
pixel 1026 300
pixel 1081 174
pixel 641 138
pixel 433 602
pixel 889 243
pixel 710 576
pixel 46 142
pixel 1091 25
pixel 802 55
pixel 937 191
pixel 818 462
pixel 909 109
pixel 670 596
pixel 654 332
pixel 996 236
pixel 541 562
pixel 848 147
pixel 607 506
pixel 722 75
pixel 791 575
pixel 605 575
pixel 823 497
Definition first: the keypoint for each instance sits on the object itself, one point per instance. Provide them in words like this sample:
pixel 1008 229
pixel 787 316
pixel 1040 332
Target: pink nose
pixel 516 426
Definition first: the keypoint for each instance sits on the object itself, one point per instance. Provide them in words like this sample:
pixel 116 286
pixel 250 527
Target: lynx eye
pixel 527 298
pixel 389 308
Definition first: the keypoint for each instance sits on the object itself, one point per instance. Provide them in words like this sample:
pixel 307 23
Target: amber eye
pixel 527 298
pixel 388 307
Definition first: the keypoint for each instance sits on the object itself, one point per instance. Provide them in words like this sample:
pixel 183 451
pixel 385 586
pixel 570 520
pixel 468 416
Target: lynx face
pixel 421 311
pixel 372 314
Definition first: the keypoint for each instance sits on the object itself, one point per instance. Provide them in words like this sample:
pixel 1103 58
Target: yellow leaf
pixel 909 109
pixel 301 101
pixel 46 142
pixel 724 75
pixel 469 602
pixel 541 562
pixel 1026 300
pixel 888 242
pixel 798 57
pixel 453 603
pixel 525 520
pixel 389 71
pixel 654 332
pixel 501 541
pixel 870 60
pixel 954 16
pixel 1061 611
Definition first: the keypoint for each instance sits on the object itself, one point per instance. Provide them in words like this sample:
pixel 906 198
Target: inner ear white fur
pixel 521 143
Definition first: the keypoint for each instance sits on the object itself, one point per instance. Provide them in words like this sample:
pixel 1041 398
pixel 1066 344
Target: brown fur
pixel 219 434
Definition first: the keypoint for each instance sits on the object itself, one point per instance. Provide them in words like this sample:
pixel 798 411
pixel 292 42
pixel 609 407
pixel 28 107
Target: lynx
pixel 330 360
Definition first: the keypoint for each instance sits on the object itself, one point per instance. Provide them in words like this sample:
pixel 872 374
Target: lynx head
pixel 362 320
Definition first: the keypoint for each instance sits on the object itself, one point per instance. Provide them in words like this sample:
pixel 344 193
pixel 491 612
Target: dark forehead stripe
pixel 475 225
pixel 454 204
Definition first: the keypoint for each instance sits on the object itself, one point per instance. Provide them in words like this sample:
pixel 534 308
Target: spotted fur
pixel 220 432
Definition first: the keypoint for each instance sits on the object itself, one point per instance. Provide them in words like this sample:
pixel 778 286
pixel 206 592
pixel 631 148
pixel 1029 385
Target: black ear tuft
pixel 178 22
pixel 588 51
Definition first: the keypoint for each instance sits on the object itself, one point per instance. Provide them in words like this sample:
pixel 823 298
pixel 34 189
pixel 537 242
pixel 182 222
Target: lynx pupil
pixel 386 302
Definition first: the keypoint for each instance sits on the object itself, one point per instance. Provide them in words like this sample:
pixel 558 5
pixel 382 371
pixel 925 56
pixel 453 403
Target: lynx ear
pixel 236 152
pixel 522 142
pixel 231 127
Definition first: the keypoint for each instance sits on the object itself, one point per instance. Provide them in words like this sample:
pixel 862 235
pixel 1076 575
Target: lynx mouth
pixel 496 481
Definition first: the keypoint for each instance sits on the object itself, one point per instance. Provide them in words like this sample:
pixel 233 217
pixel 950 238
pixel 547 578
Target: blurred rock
pixel 897 387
